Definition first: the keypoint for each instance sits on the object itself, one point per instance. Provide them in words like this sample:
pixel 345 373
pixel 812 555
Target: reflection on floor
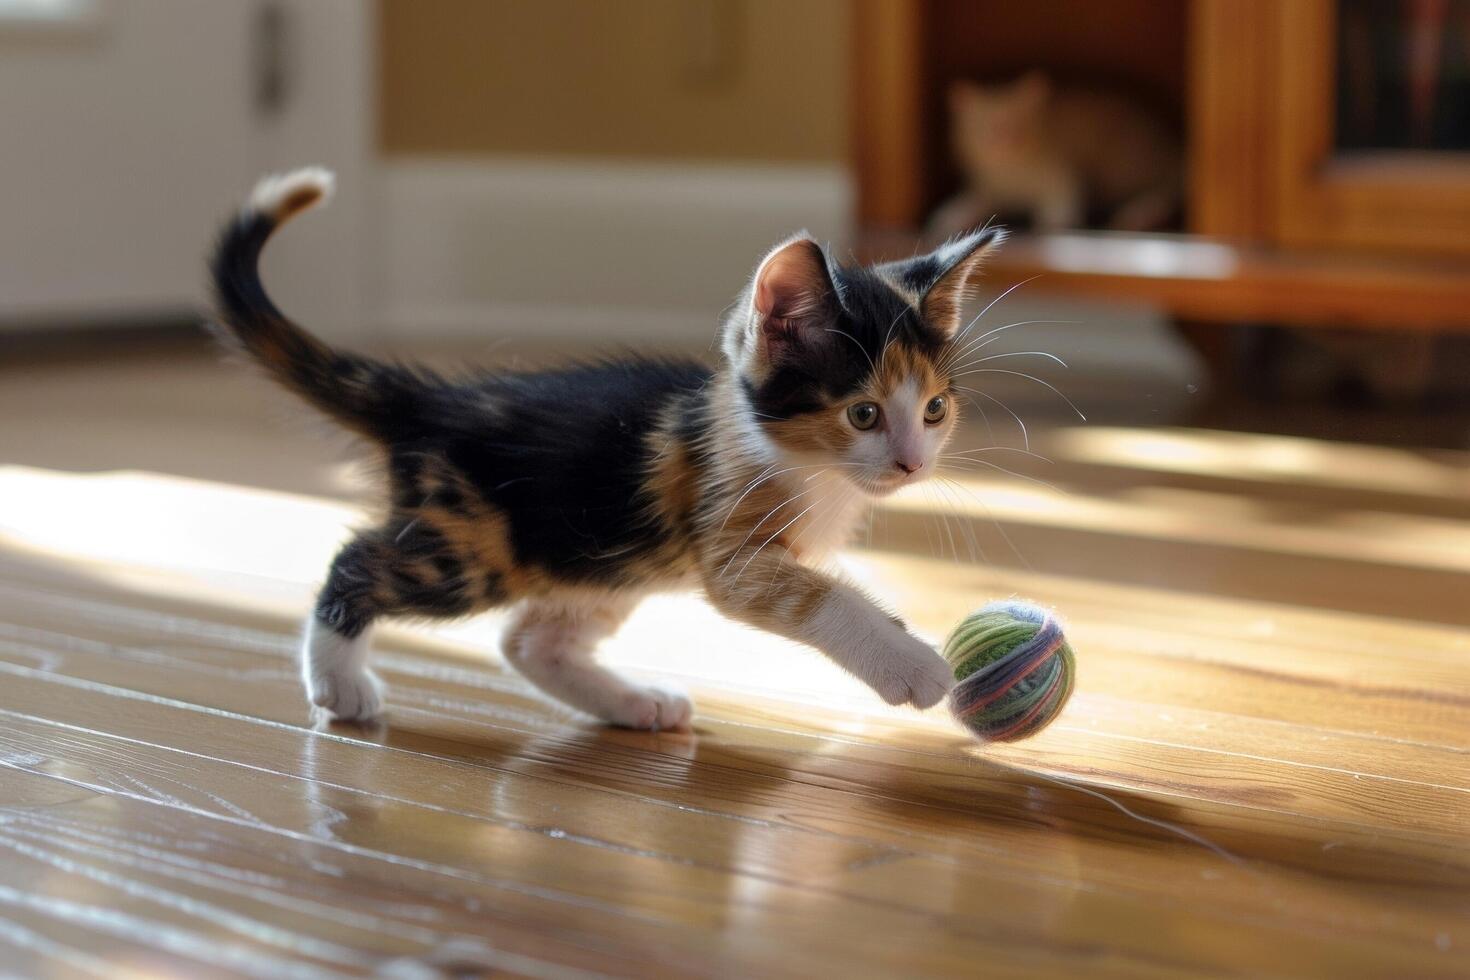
pixel 1263 770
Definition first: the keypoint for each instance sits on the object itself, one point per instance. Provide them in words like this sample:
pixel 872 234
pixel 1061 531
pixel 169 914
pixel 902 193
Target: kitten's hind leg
pixel 334 653
pixel 552 645
pixel 411 567
pixel 338 680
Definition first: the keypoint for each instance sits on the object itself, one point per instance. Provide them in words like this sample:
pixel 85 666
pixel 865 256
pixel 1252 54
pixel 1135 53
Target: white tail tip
pixel 282 195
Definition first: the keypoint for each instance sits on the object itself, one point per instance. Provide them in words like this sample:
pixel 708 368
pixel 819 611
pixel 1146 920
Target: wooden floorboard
pixel 881 824
pixel 1265 770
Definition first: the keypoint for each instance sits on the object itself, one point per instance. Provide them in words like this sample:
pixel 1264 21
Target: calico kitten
pixel 1062 156
pixel 570 494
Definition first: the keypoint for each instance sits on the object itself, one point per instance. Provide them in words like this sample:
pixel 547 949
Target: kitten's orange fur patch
pixel 297 201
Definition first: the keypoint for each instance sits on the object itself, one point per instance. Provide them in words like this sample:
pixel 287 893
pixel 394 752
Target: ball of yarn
pixel 1013 670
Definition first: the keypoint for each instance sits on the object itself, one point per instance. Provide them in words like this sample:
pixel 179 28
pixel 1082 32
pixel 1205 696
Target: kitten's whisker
pixel 765 470
pixel 790 549
pixel 801 493
pixel 1002 296
pixel 974 539
pixel 1014 353
pixel 966 531
pixel 758 481
pixel 1031 377
pixel 883 354
pixel 757 526
pixel 931 535
pixel 1000 529
pixel 991 336
pixel 978 342
pixel 984 417
pixel 398 539
pixel 1025 436
pixel 931 526
pixel 933 517
pixel 929 516
pixel 831 515
pixel 604 553
pixel 764 474
pixel 953 549
pixel 768 540
pixel 983 343
pixel 928 538
pixel 866 355
pixel 965 453
pixel 1011 473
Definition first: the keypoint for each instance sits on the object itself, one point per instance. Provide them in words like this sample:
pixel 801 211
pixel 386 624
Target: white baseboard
pixel 606 250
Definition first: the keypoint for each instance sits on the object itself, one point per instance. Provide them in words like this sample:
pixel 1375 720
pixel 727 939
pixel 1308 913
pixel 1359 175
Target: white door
pixel 129 128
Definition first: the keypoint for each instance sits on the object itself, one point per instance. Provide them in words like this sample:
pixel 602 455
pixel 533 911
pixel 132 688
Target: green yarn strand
pixel 983 638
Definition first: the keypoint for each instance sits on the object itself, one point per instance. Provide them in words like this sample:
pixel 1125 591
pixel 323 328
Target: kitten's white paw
pixel 346 694
pixel 913 674
pixel 656 708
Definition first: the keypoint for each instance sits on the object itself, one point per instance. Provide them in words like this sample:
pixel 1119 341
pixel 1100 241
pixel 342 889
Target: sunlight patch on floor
pixel 1277 459
pixel 267 550
pixel 1207 517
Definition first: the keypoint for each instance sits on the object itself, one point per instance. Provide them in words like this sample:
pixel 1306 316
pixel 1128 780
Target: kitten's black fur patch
pixel 348 602
pixel 560 455
pixel 563 454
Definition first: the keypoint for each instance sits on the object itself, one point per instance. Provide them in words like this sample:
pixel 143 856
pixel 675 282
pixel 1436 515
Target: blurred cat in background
pixel 1064 157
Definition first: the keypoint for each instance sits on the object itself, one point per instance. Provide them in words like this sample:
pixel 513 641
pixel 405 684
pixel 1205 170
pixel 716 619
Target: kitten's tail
pixel 356 391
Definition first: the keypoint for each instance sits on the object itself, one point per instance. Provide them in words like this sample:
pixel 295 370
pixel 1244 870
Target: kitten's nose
pixel 909 468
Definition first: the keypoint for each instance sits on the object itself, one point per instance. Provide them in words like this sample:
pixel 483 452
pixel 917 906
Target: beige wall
pixel 669 79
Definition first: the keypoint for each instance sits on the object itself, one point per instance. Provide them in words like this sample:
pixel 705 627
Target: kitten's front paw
pixel 913 674
pixel 659 708
pixel 346 695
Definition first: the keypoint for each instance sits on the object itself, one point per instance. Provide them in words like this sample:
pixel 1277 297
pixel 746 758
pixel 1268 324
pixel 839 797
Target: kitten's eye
pixel 936 410
pixel 863 415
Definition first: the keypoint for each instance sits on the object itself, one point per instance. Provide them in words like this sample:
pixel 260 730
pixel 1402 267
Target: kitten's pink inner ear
pixel 944 302
pixel 792 281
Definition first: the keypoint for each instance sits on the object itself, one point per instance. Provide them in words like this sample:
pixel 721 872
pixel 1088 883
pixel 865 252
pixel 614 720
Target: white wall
pixel 126 136
pixel 596 249
pixel 119 150
pixel 324 270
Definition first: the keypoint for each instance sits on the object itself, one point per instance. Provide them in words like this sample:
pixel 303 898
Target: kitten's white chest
pixel 832 517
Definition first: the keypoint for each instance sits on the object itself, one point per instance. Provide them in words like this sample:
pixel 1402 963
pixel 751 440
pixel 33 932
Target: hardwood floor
pixel 1265 770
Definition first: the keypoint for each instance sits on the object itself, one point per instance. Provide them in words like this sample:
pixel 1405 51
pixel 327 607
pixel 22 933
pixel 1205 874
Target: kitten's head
pixel 852 366
pixel 996 125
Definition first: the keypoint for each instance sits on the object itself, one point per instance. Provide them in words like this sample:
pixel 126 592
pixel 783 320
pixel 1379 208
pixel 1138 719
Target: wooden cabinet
pixel 1379 198
pixel 1298 214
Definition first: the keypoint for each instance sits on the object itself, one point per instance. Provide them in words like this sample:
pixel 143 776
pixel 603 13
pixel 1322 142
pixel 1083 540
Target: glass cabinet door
pixel 1373 124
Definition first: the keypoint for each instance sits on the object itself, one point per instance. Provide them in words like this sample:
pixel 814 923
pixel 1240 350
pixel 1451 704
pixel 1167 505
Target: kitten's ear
pixel 955 269
pixel 792 281
pixel 963 95
pixel 793 295
pixel 1032 90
